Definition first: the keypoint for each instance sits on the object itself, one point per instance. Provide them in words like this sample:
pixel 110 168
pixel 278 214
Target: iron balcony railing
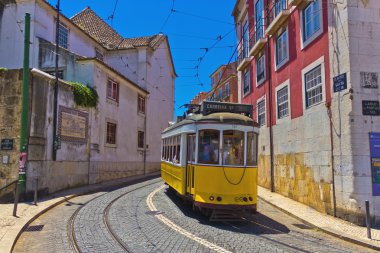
pixel 257 35
pixel 243 52
pixel 275 8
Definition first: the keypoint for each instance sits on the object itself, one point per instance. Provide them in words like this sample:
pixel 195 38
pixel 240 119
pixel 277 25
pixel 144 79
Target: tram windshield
pixel 208 146
pixel 233 147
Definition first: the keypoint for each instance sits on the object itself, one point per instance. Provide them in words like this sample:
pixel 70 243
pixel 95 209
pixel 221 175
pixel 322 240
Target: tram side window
pixel 174 145
pixel 233 147
pixel 166 149
pixel 178 149
pixel 170 149
pixel 163 149
pixel 252 149
pixel 208 147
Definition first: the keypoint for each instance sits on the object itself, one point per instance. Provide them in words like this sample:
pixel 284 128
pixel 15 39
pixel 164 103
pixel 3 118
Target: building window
pixel 140 139
pixel 220 74
pixel 245 40
pixel 259 18
pixel 98 54
pixel 63 35
pixel 113 90
pixel 282 103
pixel 260 70
pixel 313 86
pixel 246 85
pixel 261 112
pixel 220 93
pixel 141 104
pixel 227 89
pixel 282 49
pixel 111 133
pixel 279 6
pixel 311 20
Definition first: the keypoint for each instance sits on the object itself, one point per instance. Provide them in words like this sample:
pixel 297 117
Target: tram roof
pixel 221 117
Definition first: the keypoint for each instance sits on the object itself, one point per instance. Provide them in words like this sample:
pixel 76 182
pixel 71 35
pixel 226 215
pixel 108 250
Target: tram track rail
pixel 73 243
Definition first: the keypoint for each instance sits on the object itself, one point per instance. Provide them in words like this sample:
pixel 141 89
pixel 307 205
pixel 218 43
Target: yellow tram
pixel 210 157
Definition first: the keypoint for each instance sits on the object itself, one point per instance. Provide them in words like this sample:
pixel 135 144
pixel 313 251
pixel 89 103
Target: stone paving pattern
pixel 269 231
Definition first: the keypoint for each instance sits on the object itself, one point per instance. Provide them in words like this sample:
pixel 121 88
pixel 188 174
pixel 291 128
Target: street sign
pixel 6 144
pixel 340 82
pixel 371 108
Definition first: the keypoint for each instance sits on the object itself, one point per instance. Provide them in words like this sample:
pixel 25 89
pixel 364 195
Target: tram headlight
pixel 250 199
pixel 211 198
pixel 245 199
pixel 219 199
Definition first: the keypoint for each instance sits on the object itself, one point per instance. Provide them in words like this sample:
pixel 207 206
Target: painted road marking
pixel 169 223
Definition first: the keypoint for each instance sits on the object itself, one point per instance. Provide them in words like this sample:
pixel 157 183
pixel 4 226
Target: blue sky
pixel 191 30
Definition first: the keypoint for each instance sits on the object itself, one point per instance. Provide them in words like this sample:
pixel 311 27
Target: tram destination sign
pixel 340 82
pixel 371 108
pixel 212 107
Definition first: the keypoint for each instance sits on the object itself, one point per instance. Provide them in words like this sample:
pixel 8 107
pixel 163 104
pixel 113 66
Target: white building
pixel 133 77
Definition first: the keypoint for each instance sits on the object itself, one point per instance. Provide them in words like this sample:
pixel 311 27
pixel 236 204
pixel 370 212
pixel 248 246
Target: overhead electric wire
pixel 167 18
pixel 202 17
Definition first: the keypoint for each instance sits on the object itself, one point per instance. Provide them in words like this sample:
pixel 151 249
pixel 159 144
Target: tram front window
pixel 251 149
pixel 233 147
pixel 208 147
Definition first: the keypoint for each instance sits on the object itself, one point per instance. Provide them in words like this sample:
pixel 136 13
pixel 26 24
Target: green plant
pixel 84 95
pixel 3 69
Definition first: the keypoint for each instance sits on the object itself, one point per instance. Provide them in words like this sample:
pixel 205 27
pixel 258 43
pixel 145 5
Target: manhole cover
pixel 34 228
pixel 302 226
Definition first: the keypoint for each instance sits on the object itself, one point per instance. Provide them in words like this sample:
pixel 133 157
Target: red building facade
pixel 283 70
pixel 286 71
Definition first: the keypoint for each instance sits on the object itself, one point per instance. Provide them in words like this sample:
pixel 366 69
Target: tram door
pixel 190 161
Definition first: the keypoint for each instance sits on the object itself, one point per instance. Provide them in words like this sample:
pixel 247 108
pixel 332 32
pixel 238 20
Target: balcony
pixel 299 3
pixel 243 58
pixel 257 41
pixel 277 15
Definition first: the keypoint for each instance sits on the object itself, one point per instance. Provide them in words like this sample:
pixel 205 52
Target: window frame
pixel 316 34
pixel 110 96
pixel 141 104
pixel 139 132
pixel 259 101
pixel 227 89
pixel 247 72
pixel 107 139
pixel 313 65
pixel 278 64
pixel 64 27
pixel 280 87
pixel 260 82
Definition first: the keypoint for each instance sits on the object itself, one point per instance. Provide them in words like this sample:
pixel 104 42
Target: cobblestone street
pixel 136 228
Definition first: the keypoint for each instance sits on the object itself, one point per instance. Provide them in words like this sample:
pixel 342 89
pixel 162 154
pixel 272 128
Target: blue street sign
pixel 340 82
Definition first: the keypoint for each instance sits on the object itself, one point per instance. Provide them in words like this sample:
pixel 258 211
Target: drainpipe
pixel 145 135
pixel 272 186
pixel 328 105
pixel 55 136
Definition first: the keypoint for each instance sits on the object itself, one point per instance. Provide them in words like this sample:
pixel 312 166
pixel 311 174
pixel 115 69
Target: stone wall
pixel 10 113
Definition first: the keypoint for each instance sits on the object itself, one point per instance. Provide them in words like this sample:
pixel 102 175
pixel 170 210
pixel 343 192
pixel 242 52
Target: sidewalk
pixel 10 226
pixel 328 224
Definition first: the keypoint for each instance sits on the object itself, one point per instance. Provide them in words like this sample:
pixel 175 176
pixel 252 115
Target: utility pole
pixel 24 107
pixel 55 135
